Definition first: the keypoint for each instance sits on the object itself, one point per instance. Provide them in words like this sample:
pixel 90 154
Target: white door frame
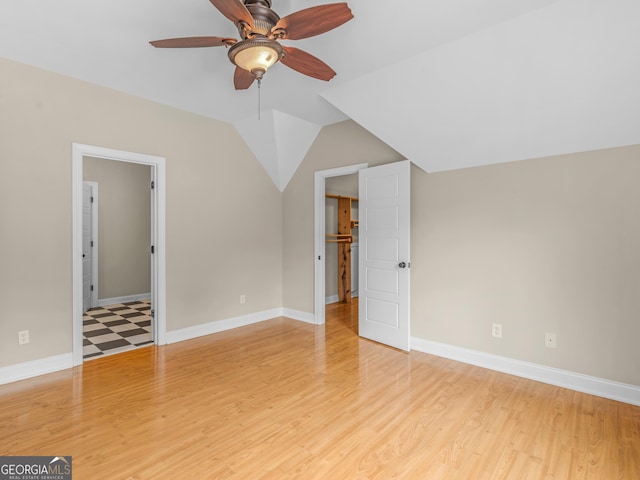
pixel 319 238
pixel 79 151
pixel 94 238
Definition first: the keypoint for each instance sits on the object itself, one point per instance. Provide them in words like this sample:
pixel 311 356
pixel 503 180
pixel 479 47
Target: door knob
pixel 402 265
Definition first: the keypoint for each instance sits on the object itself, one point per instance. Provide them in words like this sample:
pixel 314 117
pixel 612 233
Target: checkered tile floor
pixel 116 328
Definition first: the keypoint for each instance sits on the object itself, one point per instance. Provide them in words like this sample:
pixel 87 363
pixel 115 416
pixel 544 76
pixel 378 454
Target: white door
pixel 87 260
pixel 384 253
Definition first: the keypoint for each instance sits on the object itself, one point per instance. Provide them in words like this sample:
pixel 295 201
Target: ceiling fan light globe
pixel 255 55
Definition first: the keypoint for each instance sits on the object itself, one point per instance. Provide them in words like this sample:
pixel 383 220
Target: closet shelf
pixel 339 238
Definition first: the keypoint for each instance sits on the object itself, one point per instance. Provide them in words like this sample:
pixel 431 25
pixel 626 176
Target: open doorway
pixel 320 181
pixel 341 249
pixel 118 317
pixel 140 290
pixel 384 225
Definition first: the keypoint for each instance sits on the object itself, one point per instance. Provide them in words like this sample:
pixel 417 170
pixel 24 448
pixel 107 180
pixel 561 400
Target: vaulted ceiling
pixel 448 84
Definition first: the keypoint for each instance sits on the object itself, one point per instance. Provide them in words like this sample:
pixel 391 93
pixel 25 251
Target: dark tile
pixel 103 315
pixel 86 342
pixel 120 321
pixel 117 309
pixel 90 322
pixel 135 302
pixel 131 315
pixel 97 333
pixel 143 343
pixel 131 333
pixel 143 309
pixel 143 323
pixel 121 342
pixel 89 355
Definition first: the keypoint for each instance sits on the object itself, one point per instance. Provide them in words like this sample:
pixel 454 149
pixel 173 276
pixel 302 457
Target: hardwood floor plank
pixel 288 400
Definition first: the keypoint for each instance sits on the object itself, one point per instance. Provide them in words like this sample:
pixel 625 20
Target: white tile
pixel 92 327
pixel 90 349
pixel 124 327
pixel 140 338
pixel 109 337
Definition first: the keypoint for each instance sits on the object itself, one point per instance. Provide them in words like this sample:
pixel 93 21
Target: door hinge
pixel 92 288
pixel 153 184
pixel 92 243
pixel 152 313
pixel 92 199
pixel 153 249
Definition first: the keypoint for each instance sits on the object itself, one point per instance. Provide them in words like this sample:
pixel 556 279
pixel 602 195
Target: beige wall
pixel 537 245
pixel 546 245
pixel 540 245
pixel 224 215
pixel 124 226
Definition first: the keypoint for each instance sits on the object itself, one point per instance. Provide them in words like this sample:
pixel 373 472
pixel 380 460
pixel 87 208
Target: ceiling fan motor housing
pixel 264 19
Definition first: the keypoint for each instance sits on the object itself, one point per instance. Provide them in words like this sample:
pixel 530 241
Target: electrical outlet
pixel 23 337
pixel 496 330
pixel 550 340
pixel 243 299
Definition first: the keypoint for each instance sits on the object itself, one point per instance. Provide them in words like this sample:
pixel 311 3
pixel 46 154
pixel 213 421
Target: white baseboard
pixel 331 299
pixel 299 315
pixel 335 298
pixel 21 371
pixel 128 298
pixel 562 378
pixel 221 325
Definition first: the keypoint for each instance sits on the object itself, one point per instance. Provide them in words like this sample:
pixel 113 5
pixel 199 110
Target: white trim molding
pixel 600 387
pixel 201 330
pixel 78 152
pixel 34 368
pixel 331 299
pixel 319 228
pixel 299 315
pixel 128 298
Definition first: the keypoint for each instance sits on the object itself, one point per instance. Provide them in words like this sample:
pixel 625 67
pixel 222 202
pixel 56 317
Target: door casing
pixel 158 260
pixel 319 238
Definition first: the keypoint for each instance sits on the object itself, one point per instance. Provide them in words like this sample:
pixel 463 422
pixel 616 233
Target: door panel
pixel 384 248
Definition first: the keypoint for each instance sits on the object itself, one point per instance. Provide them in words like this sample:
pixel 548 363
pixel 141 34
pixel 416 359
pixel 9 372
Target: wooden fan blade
pixel 307 64
pixel 193 42
pixel 234 10
pixel 242 79
pixel 314 21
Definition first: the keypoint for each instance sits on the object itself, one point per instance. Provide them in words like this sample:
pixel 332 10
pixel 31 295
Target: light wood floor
pixel 284 399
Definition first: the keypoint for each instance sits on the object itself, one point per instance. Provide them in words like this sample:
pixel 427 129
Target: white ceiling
pixel 447 83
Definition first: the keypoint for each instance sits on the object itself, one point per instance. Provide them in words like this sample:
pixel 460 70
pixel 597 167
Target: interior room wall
pixel 224 214
pixel 124 226
pixel 543 245
pixel 538 245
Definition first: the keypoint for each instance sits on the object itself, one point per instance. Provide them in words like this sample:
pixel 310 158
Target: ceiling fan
pixel 261 29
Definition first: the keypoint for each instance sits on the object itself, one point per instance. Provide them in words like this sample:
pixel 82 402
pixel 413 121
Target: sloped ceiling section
pixel 563 78
pixel 279 142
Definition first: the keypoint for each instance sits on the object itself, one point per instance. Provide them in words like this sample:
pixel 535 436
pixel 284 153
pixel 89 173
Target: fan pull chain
pixel 259 83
